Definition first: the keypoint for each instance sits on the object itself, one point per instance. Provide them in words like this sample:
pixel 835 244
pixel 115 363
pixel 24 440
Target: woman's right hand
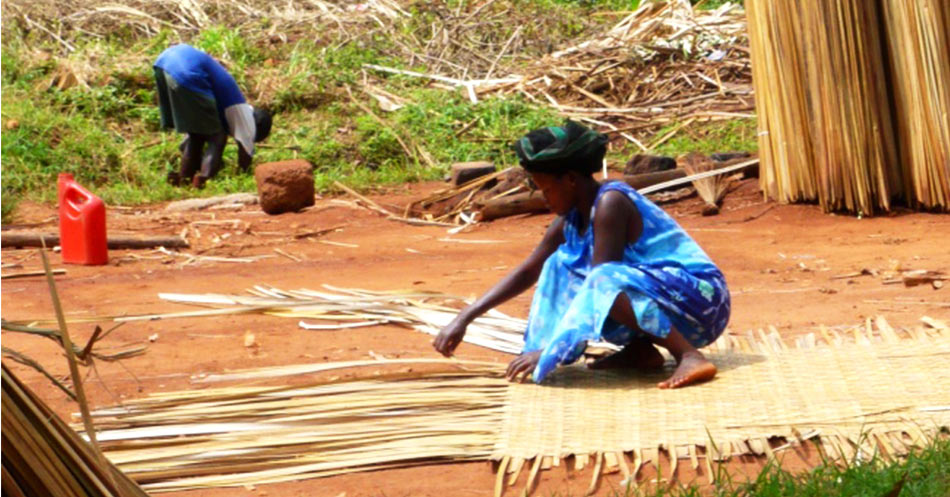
pixel 451 336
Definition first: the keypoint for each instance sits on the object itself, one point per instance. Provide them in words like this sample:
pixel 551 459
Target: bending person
pixel 198 97
pixel 612 266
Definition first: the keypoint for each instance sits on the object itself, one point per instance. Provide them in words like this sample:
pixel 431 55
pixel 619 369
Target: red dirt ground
pixel 779 261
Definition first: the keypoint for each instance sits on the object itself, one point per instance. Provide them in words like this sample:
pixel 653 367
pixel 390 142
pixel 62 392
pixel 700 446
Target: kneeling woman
pixel 613 266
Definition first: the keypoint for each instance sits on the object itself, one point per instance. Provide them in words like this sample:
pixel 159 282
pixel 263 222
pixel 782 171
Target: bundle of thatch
pixel 920 77
pixel 852 100
pixel 787 168
pixel 43 456
pixel 852 124
pixel 711 189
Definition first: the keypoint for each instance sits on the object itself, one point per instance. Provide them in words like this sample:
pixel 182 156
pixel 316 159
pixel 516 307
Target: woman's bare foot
pixel 638 354
pixel 693 368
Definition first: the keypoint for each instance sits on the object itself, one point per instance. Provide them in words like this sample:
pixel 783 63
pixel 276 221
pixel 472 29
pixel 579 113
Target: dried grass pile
pixel 917 34
pixel 43 456
pixel 663 63
pixel 67 21
pixel 852 99
pixel 234 436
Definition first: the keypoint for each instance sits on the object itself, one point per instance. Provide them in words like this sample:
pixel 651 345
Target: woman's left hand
pixel 523 365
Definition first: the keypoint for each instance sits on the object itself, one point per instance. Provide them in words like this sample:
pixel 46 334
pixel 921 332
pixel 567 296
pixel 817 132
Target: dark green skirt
pixel 185 110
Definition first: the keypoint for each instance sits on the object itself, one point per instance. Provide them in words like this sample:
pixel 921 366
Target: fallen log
pixel 527 202
pixel 34 239
pixel 644 180
pixel 521 203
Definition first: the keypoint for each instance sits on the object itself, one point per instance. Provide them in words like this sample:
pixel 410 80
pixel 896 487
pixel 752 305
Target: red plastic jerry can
pixel 82 224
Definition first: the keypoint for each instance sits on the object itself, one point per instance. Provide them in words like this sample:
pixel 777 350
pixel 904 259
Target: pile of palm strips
pixel 43 456
pixel 233 436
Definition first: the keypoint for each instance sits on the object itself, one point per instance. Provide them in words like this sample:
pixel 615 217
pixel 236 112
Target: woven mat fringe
pixel 874 428
pixel 242 435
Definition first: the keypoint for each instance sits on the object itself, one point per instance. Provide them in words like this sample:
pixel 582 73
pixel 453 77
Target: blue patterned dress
pixel 669 280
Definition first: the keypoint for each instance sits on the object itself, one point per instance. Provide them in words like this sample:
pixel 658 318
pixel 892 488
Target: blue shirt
pixel 199 72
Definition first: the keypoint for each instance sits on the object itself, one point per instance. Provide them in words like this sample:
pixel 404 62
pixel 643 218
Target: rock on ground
pixel 641 164
pixel 285 186
pixel 463 172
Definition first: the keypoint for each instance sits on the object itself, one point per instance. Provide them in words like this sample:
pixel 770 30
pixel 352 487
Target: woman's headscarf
pixel 559 149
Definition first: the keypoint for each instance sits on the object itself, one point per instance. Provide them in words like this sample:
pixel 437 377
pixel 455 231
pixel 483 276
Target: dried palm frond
pixel 351 308
pixel 832 70
pixel 851 98
pixel 854 136
pixel 787 170
pixel 710 189
pixel 43 456
pixel 251 435
pixel 917 33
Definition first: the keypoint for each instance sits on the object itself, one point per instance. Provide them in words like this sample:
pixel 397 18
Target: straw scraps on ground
pixel 874 391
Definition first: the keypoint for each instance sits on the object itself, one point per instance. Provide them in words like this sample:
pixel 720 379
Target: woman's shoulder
pixel 616 196
pixel 615 207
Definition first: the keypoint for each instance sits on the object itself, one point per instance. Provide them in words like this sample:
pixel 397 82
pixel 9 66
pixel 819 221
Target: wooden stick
pixel 639 181
pixel 27 361
pixel 694 177
pixel 369 203
pixel 29 239
pixel 30 273
pixel 73 365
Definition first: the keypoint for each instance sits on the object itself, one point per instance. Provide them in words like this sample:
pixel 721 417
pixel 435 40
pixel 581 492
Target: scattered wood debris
pixel 919 277
pixel 197 204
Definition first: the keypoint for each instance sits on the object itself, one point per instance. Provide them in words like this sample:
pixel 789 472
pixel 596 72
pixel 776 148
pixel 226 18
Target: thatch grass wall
pixel 853 100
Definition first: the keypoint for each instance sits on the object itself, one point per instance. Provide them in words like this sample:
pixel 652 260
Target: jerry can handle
pixel 74 199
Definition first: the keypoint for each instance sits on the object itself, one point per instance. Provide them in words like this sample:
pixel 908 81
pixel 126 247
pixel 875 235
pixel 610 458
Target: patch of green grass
pixel 713 4
pixel 717 136
pixel 108 136
pixel 622 5
pixel 924 473
pixel 106 129
pixel 229 44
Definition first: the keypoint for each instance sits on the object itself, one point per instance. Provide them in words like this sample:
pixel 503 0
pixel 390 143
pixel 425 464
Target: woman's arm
pixel 617 223
pixel 515 282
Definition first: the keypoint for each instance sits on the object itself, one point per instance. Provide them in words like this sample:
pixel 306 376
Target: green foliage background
pixel 105 130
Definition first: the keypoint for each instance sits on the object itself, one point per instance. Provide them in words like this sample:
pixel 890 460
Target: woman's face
pixel 558 191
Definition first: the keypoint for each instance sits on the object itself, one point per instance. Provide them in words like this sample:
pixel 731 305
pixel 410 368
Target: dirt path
pixel 779 265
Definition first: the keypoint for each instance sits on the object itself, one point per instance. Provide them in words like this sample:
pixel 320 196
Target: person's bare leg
pixel 639 354
pixel 211 162
pixel 692 365
pixel 191 151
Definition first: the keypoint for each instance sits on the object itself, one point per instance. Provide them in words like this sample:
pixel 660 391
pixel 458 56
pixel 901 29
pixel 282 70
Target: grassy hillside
pixel 78 93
